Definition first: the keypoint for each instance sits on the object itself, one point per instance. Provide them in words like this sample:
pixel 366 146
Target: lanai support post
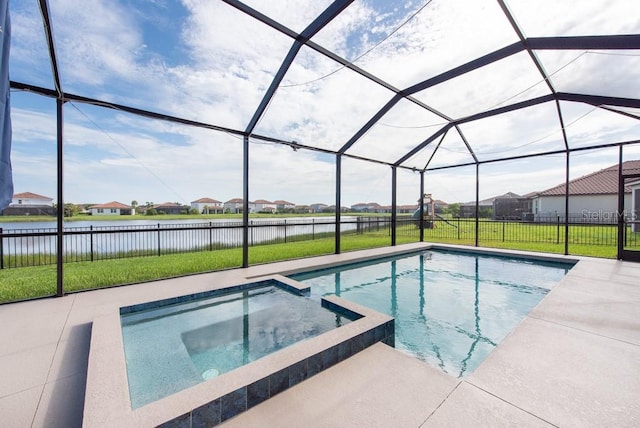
pixel 620 214
pixel 338 200
pixel 477 202
pixel 394 195
pixel 421 206
pixel 245 203
pixel 566 206
pixel 60 211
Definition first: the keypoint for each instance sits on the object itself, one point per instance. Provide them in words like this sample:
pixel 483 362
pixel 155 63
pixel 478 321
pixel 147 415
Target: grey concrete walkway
pixel 574 361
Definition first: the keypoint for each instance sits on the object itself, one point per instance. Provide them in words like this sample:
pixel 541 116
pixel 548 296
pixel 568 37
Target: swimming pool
pixel 173 345
pixel 451 309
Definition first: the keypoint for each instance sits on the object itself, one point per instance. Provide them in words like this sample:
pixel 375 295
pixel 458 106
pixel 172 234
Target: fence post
pixel 503 224
pixel 285 231
pixel 558 230
pixel 159 239
pixel 210 236
pixel 458 228
pixel 1 248
pixel 91 241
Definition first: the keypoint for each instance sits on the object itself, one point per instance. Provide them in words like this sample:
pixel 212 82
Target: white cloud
pixel 223 61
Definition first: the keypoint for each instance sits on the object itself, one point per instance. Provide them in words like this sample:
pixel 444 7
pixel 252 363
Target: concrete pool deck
pixel 573 361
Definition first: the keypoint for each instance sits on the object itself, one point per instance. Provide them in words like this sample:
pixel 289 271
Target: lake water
pixel 152 235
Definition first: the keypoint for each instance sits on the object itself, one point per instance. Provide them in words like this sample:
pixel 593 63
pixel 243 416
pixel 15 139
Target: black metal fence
pixel 38 246
pixel 33 247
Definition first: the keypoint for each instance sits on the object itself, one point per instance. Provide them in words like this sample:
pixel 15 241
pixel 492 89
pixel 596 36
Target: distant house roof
pixel 369 204
pixel 489 201
pixel 112 204
pixel 167 205
pixel 29 195
pixel 508 195
pixel 235 201
pixel 262 201
pixel 281 202
pixel 603 182
pixel 205 201
pixel 440 202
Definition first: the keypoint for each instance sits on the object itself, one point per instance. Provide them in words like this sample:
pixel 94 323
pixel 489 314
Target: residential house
pixel 405 209
pixel 28 203
pixel 284 206
pixel 468 209
pixel 171 208
pixel 111 208
pixel 370 207
pixel 317 208
pixel 511 206
pixel 207 206
pixel 592 197
pixel 261 206
pixel 236 205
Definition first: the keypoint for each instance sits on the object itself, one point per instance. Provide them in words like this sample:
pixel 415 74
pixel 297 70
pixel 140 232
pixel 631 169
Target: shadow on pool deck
pixel 574 361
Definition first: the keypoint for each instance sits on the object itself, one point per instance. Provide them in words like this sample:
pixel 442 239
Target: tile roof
pixel 262 201
pixel 281 202
pixel 205 201
pixel 167 205
pixel 603 182
pixel 112 204
pixel 29 195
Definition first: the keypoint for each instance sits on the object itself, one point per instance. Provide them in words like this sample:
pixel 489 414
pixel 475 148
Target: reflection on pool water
pixel 172 347
pixel 451 309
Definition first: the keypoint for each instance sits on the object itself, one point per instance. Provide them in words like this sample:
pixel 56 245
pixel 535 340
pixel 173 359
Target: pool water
pixel 173 347
pixel 450 309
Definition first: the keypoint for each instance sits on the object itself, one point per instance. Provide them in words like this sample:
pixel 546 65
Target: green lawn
pixel 29 282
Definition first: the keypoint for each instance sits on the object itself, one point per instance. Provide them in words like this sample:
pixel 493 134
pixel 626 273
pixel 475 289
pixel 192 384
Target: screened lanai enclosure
pixel 307 104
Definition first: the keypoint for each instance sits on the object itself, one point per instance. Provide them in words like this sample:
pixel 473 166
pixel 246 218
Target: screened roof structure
pixel 419 85
pixel 412 86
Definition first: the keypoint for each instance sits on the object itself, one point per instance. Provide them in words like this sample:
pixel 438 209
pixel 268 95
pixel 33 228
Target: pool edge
pixel 212 402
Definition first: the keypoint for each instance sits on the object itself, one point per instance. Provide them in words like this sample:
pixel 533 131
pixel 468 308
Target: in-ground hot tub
pixel 203 358
pixel 172 345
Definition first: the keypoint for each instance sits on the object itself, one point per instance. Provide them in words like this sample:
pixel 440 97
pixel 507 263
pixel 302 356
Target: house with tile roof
pixel 284 206
pixel 207 206
pixel 318 207
pixel 592 197
pixel 235 206
pixel 367 207
pixel 31 199
pixel 111 208
pixel 172 208
pixel 262 205
pixel 27 203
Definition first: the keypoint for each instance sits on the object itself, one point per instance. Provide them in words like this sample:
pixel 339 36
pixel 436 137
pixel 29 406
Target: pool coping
pixel 501 252
pixel 212 402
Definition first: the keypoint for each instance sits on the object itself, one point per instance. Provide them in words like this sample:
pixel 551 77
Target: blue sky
pixel 203 60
